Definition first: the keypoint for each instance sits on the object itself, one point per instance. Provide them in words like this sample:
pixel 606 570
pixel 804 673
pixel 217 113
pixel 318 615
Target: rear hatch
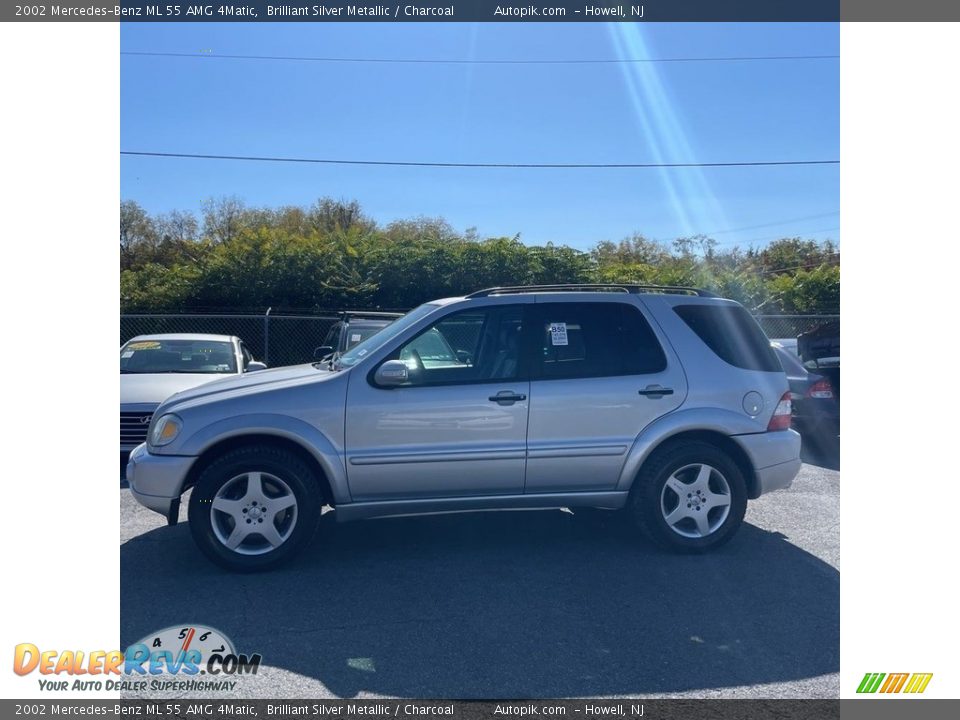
pixel 819 349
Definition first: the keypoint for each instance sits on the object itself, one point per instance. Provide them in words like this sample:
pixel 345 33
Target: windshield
pixel 356 335
pixel 358 352
pixel 161 355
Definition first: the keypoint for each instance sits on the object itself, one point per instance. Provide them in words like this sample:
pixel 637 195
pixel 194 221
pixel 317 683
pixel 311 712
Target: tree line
pixel 331 255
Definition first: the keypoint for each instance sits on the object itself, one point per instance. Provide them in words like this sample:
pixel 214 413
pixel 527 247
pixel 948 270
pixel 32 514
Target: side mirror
pixel 322 351
pixel 392 373
pixel 255 365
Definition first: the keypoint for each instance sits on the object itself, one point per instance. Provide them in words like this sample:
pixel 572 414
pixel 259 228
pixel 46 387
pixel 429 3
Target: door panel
pixel 586 406
pixel 434 441
pixel 451 431
pixel 580 430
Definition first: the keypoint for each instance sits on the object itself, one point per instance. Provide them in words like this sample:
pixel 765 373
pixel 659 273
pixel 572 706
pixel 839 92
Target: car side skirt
pixel 613 500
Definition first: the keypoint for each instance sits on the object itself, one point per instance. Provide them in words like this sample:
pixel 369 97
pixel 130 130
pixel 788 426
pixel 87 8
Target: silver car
pixel 667 403
pixel 154 367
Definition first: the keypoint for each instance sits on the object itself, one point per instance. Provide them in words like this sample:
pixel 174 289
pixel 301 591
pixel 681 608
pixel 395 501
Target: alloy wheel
pixel 695 500
pixel 253 513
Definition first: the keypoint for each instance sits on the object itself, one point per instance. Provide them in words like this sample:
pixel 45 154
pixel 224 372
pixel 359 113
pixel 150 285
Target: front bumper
pixel 775 457
pixel 156 481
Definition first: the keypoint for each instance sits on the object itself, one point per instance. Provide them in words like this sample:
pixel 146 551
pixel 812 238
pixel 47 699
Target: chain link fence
pixel 275 339
pixel 789 326
pixel 291 339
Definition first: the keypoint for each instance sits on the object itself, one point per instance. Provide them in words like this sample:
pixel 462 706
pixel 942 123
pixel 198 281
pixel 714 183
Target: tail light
pixel 821 390
pixel 781 416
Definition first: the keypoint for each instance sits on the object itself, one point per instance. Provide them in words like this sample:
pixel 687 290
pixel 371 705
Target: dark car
pixel 351 329
pixel 816 405
pixel 819 351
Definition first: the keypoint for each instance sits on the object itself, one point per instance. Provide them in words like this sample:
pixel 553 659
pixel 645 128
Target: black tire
pixel 278 462
pixel 648 493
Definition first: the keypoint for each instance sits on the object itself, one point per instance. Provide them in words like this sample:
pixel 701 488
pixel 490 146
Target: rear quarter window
pixel 732 334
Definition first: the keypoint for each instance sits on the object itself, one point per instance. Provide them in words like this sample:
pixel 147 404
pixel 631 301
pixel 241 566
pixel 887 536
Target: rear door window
pixel 598 339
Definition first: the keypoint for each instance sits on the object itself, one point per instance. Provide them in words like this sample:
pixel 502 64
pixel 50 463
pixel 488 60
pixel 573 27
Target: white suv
pixel 667 402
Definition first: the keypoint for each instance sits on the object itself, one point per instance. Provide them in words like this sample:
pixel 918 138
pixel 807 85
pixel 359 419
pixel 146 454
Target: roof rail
pixel 631 288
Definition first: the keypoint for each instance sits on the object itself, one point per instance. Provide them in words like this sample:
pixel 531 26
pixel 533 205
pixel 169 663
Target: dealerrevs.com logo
pixel 169 660
pixel 910 683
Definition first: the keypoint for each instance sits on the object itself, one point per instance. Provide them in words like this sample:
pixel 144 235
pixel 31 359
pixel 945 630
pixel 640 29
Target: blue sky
pixel 608 113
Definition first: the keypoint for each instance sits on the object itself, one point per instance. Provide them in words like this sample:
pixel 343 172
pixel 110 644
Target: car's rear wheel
pixel 689 497
pixel 254 507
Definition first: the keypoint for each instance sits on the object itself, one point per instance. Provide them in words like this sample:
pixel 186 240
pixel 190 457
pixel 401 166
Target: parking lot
pixel 515 604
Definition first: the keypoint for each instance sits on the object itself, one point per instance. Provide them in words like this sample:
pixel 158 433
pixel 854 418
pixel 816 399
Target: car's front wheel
pixel 254 507
pixel 690 497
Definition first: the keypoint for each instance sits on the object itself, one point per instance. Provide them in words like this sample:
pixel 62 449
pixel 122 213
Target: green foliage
pixel 331 255
pixel 806 291
pixel 794 254
pixel 157 288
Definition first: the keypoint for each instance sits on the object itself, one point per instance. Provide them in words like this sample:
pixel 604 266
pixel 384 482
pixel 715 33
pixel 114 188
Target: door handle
pixel 655 391
pixel 506 397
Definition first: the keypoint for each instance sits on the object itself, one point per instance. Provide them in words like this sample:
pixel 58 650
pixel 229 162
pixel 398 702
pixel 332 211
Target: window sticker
pixel 355 337
pixel 558 334
pixel 126 354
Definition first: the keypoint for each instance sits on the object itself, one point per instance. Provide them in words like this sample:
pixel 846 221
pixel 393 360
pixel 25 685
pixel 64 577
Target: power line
pixel 772 224
pixel 775 237
pixel 792 235
pixel 807 266
pixel 442 61
pixel 396 163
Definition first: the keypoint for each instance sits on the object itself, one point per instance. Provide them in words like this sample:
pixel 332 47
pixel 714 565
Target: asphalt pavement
pixel 524 604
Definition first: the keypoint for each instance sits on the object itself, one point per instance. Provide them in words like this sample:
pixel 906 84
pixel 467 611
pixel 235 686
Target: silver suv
pixel 666 402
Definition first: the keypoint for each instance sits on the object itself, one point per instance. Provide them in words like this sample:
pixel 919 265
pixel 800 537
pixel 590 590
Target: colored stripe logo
pixel 918 682
pixel 912 683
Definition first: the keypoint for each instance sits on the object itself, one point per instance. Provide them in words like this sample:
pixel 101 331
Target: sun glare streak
pixel 692 200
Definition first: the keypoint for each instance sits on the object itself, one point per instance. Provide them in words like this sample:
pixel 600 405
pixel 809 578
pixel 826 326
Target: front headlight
pixel 165 430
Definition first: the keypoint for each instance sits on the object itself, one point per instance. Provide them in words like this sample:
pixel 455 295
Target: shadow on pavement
pixel 506 604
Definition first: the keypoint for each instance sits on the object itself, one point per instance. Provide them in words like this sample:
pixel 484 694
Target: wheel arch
pixel 677 430
pixel 218 448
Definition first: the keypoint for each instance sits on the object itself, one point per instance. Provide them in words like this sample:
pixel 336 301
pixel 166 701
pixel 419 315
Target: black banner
pixel 485 11
pixel 623 709
pixel 431 11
